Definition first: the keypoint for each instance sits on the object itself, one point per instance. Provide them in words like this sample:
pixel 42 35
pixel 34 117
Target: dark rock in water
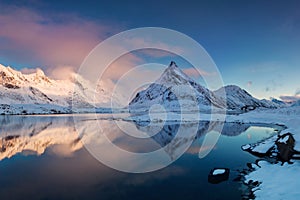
pixel 249 165
pixel 285 146
pixel 282 151
pixel 256 183
pixel 218 175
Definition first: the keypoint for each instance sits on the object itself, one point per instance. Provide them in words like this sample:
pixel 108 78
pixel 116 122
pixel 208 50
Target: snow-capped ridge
pixel 36 88
pixel 173 75
pixel 238 98
pixel 76 92
pixel 174 85
pixel 162 92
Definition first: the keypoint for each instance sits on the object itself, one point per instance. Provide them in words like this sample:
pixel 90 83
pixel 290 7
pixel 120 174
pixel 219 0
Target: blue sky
pixel 255 44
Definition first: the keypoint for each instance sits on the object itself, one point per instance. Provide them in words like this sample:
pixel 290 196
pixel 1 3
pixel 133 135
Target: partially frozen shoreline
pixel 275 180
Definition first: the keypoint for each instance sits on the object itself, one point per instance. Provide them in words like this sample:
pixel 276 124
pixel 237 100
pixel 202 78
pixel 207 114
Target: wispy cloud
pixel 122 65
pixel 49 40
pixel 60 71
pixel 58 44
pixel 287 98
pixel 291 98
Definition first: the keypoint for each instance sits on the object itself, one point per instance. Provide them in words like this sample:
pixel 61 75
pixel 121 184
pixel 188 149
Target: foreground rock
pixel 279 148
pixel 218 175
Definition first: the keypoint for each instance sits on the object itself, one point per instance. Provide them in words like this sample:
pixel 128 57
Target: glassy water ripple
pixel 42 157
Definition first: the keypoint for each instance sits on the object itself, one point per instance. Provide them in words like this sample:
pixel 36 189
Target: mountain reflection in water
pixel 64 169
pixel 37 133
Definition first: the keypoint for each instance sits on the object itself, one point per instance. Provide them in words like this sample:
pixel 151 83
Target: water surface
pixel 42 157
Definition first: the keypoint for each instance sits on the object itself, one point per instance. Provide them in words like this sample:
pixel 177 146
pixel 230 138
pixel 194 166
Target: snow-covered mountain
pixel 36 93
pixel 278 102
pixel 173 79
pixel 173 85
pixel 174 90
pixel 236 97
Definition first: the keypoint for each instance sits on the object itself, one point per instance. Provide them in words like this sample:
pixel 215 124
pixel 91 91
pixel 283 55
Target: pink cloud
pixel 122 65
pixel 60 43
pixel 53 41
pixel 60 72
pixel 290 98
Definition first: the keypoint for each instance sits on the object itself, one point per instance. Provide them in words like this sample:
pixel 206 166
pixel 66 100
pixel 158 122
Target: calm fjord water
pixel 42 158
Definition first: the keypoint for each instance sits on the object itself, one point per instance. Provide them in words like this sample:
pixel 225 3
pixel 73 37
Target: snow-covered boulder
pixel 218 175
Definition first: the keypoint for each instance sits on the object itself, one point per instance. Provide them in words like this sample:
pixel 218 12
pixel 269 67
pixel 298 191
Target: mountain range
pixel 163 91
pixel 36 93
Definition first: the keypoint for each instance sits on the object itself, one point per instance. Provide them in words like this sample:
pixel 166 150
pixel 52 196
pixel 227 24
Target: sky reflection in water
pixel 66 170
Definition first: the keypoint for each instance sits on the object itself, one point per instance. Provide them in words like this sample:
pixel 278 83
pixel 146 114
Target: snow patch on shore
pixel 276 181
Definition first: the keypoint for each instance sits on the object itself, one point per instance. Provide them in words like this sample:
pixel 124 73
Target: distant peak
pixel 173 64
pixel 233 87
pixel 2 67
pixel 39 72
